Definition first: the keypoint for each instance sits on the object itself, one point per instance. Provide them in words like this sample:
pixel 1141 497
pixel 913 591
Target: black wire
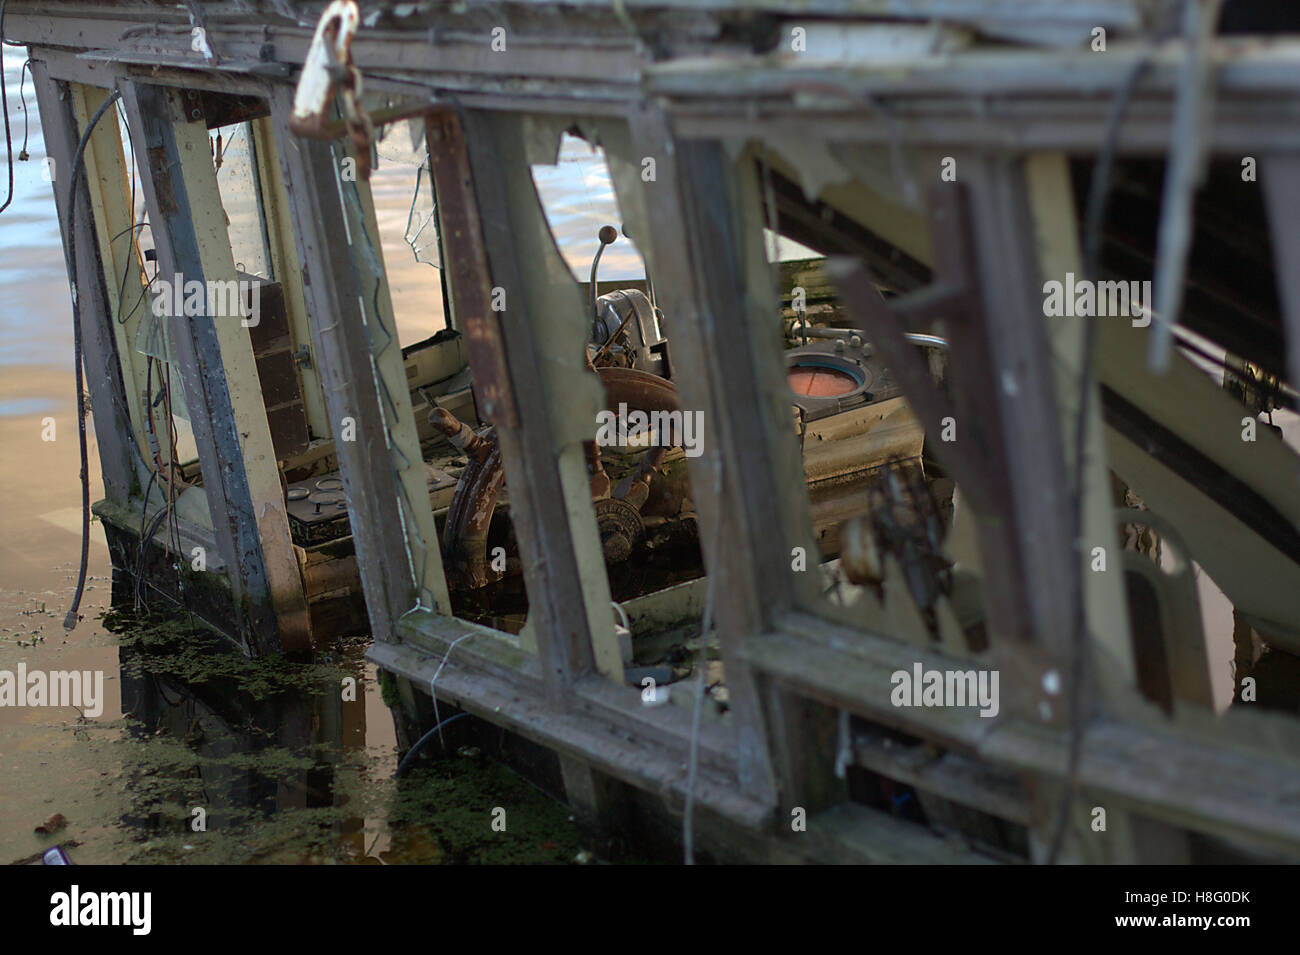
pixel 144 290
pixel 22 98
pixel 145 540
pixel 419 744
pixel 121 232
pixel 70 253
pixel 144 515
pixel 4 101
pixel 174 522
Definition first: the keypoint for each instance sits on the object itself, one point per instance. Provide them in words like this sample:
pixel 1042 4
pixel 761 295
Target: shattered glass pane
pixel 421 222
pixel 235 157
pixel 401 148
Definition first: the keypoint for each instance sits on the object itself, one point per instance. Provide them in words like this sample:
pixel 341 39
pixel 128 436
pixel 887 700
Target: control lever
pixel 607 235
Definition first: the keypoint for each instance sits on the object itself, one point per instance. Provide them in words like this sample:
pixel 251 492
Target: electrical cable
pixel 22 98
pixel 4 102
pixel 419 744
pixel 173 482
pixel 145 540
pixel 144 512
pixel 70 621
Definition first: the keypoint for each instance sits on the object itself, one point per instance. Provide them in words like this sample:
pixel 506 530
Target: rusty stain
pixel 158 167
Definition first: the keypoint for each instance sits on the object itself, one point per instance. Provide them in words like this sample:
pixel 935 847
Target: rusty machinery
pixel 646 501
pixel 638 502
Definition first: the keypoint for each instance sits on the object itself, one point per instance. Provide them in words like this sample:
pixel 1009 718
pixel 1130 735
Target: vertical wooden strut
pixel 699 254
pixel 545 472
pixel 215 359
pixel 104 374
pixel 340 342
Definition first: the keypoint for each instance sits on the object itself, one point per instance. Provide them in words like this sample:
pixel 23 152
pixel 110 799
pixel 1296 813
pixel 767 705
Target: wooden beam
pixel 550 492
pixel 1003 375
pixel 288 270
pixel 1248 122
pixel 108 399
pixel 1240 64
pixel 574 733
pixel 216 365
pixel 954 776
pixel 702 284
pixel 108 169
pixel 340 342
pixel 503 658
pixel 1236 779
pixel 851 834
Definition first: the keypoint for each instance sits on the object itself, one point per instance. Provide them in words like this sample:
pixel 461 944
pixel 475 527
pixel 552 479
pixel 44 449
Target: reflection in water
pixel 230 760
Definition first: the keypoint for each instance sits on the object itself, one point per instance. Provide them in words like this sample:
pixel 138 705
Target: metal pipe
pixel 460 434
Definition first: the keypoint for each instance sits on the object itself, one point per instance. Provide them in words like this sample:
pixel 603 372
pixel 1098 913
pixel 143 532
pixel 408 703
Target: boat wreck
pixel 920 445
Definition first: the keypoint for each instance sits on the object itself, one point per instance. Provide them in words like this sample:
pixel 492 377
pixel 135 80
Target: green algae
pixel 184 650
pixel 258 747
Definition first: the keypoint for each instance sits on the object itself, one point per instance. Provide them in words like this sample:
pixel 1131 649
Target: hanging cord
pixel 175 483
pixel 706 624
pixel 4 102
pixel 139 559
pixel 70 253
pixel 22 98
pixel 1094 218
pixel 439 724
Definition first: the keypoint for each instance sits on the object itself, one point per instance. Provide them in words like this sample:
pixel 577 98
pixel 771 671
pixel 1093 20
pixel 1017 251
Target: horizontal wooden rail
pixel 605 724
pixel 1239 781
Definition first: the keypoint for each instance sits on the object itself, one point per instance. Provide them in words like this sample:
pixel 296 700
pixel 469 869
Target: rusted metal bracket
pixel 327 74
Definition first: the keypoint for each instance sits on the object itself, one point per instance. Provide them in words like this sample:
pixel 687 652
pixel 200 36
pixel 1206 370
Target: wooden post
pixel 1056 231
pixel 701 283
pixel 108 172
pixel 598 802
pixel 288 271
pixel 341 342
pixel 555 401
pixel 113 429
pixel 216 363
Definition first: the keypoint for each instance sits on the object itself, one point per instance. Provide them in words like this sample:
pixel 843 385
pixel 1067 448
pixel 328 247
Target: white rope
pixel 437 721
